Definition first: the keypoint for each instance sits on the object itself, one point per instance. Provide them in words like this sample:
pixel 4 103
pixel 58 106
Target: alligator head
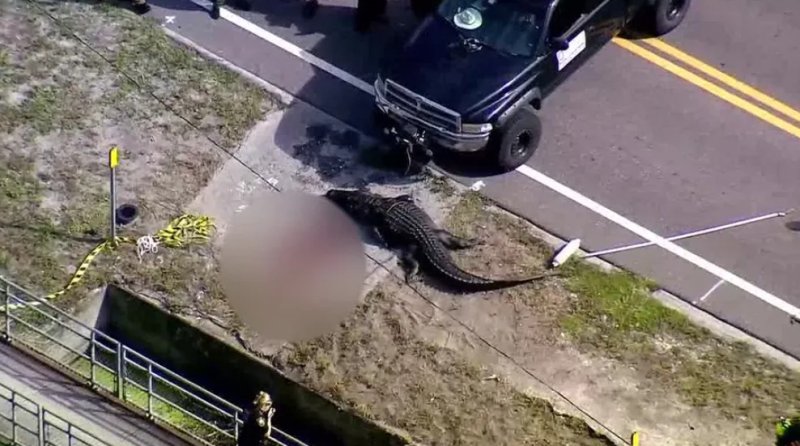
pixel 359 205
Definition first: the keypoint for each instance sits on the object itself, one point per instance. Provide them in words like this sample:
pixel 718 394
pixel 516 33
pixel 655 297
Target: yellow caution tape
pixel 180 232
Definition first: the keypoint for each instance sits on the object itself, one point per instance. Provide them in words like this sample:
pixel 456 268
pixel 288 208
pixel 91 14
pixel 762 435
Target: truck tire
pixel 660 18
pixel 516 141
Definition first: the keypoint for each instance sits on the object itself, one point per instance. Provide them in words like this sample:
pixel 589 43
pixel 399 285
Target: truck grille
pixel 426 110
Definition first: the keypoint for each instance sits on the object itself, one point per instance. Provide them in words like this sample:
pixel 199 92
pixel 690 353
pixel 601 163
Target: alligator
pixel 400 225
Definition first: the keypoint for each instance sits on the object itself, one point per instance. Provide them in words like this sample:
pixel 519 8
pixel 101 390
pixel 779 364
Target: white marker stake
pixel 566 252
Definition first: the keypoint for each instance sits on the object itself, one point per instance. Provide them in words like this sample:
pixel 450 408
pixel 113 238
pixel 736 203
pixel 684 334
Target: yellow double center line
pixel 725 79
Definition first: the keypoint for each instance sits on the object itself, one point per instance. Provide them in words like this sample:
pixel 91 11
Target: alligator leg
pixel 379 237
pixel 455 242
pixel 409 262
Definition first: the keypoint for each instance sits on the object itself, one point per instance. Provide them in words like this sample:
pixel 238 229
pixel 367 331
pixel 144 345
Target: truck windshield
pixel 510 26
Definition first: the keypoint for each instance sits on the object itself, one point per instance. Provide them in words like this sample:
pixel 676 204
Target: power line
pixel 384 267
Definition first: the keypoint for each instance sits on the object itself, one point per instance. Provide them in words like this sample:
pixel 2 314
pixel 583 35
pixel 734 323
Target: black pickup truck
pixel 474 72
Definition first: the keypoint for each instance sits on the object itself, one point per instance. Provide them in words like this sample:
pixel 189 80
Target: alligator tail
pixel 493 285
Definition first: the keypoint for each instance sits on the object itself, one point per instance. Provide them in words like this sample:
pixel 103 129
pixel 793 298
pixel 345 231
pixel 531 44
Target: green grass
pixel 616 309
pixel 29 249
pixel 51 108
pixel 167 412
pixel 193 86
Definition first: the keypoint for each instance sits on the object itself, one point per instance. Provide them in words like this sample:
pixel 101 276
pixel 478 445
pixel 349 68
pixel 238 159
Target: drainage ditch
pixel 232 374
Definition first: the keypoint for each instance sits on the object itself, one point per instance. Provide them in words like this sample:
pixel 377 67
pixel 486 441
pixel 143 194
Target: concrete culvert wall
pixel 233 374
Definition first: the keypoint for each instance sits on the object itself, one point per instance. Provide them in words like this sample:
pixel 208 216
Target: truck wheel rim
pixel 521 144
pixel 675 7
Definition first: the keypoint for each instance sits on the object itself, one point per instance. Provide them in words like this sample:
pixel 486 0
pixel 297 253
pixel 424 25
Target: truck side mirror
pixel 559 43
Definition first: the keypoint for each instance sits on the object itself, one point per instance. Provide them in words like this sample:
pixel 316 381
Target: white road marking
pixel 169 19
pixel 529 172
pixel 708 293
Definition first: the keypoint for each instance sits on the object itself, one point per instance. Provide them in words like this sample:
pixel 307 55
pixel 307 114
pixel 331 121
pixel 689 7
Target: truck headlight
pixel 476 128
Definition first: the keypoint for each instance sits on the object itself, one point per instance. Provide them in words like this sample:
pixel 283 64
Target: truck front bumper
pixel 406 122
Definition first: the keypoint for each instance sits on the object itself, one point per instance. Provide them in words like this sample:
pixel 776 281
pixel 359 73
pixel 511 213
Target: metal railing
pixel 26 423
pixel 109 366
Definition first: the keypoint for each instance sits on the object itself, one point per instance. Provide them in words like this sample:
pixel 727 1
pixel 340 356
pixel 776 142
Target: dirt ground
pixel 62 106
pixel 597 337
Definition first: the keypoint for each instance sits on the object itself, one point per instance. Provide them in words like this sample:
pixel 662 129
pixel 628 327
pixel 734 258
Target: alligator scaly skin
pixel 403 226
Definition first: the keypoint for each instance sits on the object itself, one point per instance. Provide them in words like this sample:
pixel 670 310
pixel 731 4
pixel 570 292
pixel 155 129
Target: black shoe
pixel 141 8
pixel 215 11
pixel 310 8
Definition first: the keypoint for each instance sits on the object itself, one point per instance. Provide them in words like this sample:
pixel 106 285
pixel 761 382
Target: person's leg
pixel 140 6
pixel 363 14
pixel 380 11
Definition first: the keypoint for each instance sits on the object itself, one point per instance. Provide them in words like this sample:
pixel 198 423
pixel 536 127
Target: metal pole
pixel 113 161
pixel 42 438
pixel 8 312
pixel 13 417
pixel 120 371
pixel 236 425
pixel 93 358
pixel 691 234
pixel 150 389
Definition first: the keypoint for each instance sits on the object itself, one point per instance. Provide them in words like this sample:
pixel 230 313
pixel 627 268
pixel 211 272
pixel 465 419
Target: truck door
pixel 586 25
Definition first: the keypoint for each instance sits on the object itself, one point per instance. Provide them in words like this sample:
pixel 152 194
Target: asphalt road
pixel 623 131
pixel 73 403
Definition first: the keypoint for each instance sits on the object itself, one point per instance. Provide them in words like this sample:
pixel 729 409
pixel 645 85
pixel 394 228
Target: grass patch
pixel 167 411
pixel 616 309
pixel 196 88
pixel 50 108
pixel 28 249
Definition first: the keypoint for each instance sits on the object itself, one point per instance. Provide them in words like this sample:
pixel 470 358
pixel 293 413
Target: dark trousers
pixel 368 11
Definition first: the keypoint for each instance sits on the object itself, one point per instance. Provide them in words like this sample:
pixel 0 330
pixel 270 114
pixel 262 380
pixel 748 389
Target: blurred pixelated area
pixel 293 266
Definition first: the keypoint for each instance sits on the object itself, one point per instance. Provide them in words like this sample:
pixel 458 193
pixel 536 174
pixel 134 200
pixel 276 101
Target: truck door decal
pixel 576 46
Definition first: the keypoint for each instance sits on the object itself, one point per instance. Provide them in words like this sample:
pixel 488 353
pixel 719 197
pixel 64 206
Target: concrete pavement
pixel 75 404
pixel 623 132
